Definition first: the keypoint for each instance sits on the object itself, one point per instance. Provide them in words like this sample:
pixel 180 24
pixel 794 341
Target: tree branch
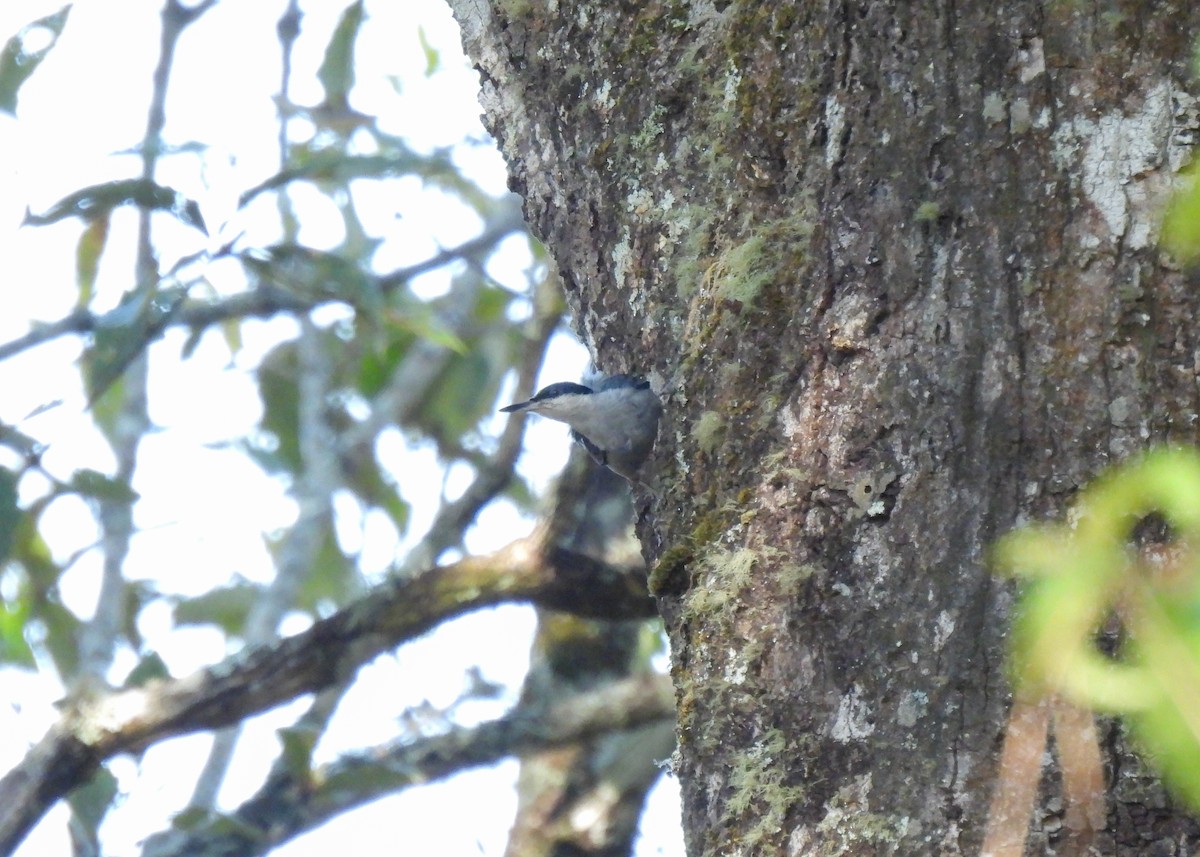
pixel 95 728
pixel 264 300
pixel 294 801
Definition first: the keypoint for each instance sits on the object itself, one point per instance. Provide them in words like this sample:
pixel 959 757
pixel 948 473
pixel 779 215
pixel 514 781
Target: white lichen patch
pixel 998 371
pixel 911 708
pixel 1116 155
pixel 639 201
pixel 942 630
pixel 994 108
pixel 850 826
pixel 853 719
pixel 1020 119
pixel 793 422
pixel 622 260
pixel 603 99
pixel 1031 61
pixel 835 122
pixel 850 321
pixel 733 81
pixel 735 669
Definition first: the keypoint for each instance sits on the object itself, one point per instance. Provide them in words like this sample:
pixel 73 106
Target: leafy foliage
pixel 89 805
pixel 10 513
pixel 337 70
pixel 124 333
pixel 1083 574
pixel 1181 225
pixel 18 62
pixel 466 339
pixel 378 336
pixel 99 201
pixel 367 355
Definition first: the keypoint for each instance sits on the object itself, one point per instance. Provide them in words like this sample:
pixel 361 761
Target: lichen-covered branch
pixel 292 801
pixel 96 727
pixel 265 299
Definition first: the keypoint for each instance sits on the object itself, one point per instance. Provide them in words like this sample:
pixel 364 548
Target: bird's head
pixel 556 400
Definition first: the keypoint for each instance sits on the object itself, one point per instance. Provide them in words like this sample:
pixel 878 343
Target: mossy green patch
pixel 768 256
pixel 756 778
pixel 927 212
pixel 674 561
pixel 709 431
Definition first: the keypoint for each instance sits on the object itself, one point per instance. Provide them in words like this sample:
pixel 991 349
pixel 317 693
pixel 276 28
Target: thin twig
pixel 453 518
pixel 264 300
pixel 291 802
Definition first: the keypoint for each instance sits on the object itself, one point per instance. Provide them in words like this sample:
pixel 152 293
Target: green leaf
pixel 149 668
pixel 315 275
pixel 218 826
pixel 432 58
pixel 93 483
pixel 367 481
pixel 62 634
pixel 10 512
pixel 58 627
pixel 419 318
pixel 33 554
pixel 377 365
pixel 298 743
pixel 231 331
pixel 1083 573
pixel 332 577
pixel 1164 639
pixel 460 396
pixel 106 407
pixel 135 595
pixel 99 200
pixel 87 257
pixel 89 804
pixel 492 304
pixel 17 63
pixel 14 649
pixel 337 68
pixel 1079 574
pixel 227 608
pixel 334 166
pixel 123 333
pixel 1181 226
pixel 281 410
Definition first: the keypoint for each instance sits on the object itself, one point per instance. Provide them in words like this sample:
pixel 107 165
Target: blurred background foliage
pixel 385 357
pixel 377 369
pixel 1109 616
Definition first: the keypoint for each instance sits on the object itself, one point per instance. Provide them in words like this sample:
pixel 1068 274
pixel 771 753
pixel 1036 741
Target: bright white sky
pixel 87 102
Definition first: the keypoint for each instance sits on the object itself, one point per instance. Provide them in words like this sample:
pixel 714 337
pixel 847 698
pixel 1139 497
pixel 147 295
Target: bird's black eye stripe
pixel 559 389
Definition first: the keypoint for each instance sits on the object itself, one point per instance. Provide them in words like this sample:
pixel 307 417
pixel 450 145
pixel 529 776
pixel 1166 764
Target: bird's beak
pixel 519 406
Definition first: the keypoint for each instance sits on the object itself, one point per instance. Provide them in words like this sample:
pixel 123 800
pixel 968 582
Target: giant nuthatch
pixel 616 422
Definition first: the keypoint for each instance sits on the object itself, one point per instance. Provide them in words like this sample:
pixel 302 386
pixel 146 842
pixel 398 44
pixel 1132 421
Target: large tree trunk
pixel 893 268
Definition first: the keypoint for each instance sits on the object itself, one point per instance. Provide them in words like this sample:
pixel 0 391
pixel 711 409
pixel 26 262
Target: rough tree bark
pixel 893 268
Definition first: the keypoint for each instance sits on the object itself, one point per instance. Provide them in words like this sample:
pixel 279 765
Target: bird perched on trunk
pixel 616 421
